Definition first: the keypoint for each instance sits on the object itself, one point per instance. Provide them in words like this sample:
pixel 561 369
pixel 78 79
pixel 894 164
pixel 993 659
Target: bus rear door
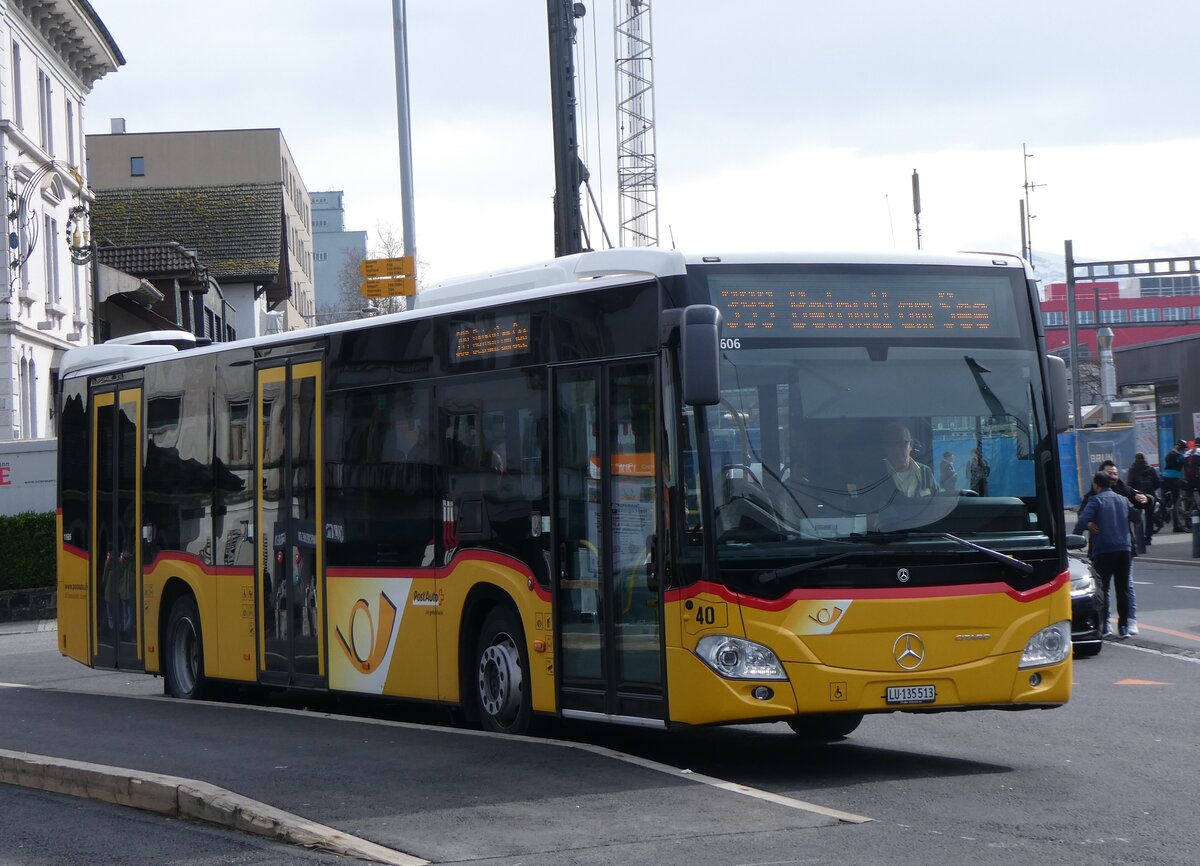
pixel 115 548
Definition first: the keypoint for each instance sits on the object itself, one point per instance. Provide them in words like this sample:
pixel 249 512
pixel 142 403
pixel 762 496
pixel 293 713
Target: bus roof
pixel 578 272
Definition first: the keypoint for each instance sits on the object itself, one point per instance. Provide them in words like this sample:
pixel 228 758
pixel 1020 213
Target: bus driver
pixel 911 477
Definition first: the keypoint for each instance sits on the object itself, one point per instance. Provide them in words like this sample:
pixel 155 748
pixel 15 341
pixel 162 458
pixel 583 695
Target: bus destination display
pixel 491 337
pixel 758 310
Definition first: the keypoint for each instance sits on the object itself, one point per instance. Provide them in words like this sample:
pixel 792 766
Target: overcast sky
pixel 780 125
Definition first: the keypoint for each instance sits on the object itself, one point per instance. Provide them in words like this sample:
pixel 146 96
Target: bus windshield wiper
pixel 792 570
pixel 888 537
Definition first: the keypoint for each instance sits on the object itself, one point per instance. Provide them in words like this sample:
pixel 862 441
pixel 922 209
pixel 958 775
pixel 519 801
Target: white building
pixel 335 250
pixel 52 52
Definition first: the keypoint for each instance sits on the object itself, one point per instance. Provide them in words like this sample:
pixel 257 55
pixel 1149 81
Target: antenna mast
pixel 1027 216
pixel 637 171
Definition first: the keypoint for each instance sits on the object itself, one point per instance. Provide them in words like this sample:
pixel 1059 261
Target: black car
pixel 1088 610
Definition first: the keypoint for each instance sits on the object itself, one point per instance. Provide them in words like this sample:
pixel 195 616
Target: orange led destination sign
pixel 768 312
pixel 493 337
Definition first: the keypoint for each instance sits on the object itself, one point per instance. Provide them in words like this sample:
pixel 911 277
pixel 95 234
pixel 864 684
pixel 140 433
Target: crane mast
pixel 568 218
pixel 637 171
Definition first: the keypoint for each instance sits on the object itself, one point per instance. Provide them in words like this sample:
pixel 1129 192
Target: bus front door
pixel 607 595
pixel 115 553
pixel 289 531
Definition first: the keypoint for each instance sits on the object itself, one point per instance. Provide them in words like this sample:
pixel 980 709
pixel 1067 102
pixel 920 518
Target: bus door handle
pixel 651 565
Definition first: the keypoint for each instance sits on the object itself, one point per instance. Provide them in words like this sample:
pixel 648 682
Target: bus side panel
pixel 73 521
pixel 382 631
pixel 233 514
pixel 512 577
pixel 72 598
pixel 235 627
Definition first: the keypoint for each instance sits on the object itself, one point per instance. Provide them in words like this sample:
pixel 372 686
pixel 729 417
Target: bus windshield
pixel 847 423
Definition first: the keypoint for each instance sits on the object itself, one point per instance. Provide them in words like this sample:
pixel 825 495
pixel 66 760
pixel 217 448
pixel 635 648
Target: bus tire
pixel 501 674
pixel 183 651
pixel 825 728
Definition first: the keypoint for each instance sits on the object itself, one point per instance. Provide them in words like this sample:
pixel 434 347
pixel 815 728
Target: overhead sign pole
pixel 400 35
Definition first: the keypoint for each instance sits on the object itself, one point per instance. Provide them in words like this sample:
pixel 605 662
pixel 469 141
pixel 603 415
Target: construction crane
pixel 568 174
pixel 637 170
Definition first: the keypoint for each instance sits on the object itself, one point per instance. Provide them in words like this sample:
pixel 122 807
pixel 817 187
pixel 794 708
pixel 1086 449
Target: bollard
pixel 1196 536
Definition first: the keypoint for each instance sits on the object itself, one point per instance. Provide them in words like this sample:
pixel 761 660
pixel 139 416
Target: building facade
pixel 337 253
pixel 190 162
pixel 1155 321
pixel 52 52
pixel 1139 310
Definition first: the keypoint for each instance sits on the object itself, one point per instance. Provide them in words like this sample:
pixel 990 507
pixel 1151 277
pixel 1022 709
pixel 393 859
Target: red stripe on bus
pixel 796 595
pixel 442 572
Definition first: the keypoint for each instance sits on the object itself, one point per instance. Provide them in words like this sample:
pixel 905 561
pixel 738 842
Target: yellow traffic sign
pixel 389 287
pixel 398 267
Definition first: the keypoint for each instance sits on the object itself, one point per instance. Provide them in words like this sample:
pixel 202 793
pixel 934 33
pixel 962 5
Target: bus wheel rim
pixel 500 680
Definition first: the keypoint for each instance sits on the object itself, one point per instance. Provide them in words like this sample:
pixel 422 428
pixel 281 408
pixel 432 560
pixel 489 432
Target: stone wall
pixel 27 604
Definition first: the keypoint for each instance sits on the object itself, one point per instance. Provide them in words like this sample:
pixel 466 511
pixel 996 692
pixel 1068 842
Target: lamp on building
pixel 79 234
pixel 23 223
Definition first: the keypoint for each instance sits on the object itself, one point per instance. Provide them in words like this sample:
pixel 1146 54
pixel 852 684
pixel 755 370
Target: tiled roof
pixel 236 230
pixel 167 259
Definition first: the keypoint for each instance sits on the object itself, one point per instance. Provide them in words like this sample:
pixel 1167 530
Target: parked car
pixel 1088 609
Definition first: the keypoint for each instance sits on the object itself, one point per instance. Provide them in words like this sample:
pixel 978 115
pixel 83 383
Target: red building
pixel 1138 309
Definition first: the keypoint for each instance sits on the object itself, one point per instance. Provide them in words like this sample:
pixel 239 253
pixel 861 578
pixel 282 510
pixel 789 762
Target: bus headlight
pixel 737 659
pixel 1048 647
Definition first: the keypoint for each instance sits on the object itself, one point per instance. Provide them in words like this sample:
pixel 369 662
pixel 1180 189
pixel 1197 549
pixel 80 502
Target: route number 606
pixel 731 343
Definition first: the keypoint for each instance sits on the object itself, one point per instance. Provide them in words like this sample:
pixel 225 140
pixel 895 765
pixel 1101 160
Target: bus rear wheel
pixel 183 651
pixel 825 728
pixel 501 674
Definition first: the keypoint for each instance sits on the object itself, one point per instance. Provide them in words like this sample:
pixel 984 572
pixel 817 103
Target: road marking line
pixel 1143 583
pixel 1185 586
pixel 1172 632
pixel 1132 682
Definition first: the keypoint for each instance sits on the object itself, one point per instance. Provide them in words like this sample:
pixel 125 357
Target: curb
pixel 187 798
pixel 1145 557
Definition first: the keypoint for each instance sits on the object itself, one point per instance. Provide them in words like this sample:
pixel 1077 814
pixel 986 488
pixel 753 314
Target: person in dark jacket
pixel 1144 477
pixel 1105 516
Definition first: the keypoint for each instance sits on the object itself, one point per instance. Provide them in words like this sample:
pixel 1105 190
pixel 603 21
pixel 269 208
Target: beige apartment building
pixel 268 284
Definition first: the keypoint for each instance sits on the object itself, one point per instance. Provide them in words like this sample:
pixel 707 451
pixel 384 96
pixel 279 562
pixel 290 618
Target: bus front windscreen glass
pixel 903 406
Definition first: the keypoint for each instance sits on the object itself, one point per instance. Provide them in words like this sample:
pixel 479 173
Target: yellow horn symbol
pixel 378 641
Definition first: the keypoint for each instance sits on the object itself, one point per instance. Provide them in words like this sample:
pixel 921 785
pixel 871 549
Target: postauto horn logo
pixel 368 655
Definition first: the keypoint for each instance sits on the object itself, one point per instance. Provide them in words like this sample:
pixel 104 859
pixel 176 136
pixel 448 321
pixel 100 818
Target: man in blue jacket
pixel 1106 517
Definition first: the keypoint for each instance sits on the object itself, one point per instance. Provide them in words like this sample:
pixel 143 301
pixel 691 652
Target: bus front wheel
pixel 183 651
pixel 501 674
pixel 823 728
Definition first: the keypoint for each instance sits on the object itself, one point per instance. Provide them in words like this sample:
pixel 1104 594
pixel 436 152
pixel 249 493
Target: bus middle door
pixel 608 599
pixel 289 527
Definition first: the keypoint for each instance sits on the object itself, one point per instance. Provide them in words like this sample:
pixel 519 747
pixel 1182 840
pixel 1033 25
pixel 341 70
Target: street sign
pixel 399 267
pixel 389 287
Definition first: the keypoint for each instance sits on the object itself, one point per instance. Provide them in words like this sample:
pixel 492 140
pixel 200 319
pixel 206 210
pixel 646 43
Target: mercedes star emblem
pixel 908 651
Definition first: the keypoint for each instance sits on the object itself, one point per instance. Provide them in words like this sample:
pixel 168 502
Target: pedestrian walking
pixel 1105 516
pixel 978 471
pixel 947 474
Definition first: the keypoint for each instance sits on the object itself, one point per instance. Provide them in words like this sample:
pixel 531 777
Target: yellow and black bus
pixel 625 485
